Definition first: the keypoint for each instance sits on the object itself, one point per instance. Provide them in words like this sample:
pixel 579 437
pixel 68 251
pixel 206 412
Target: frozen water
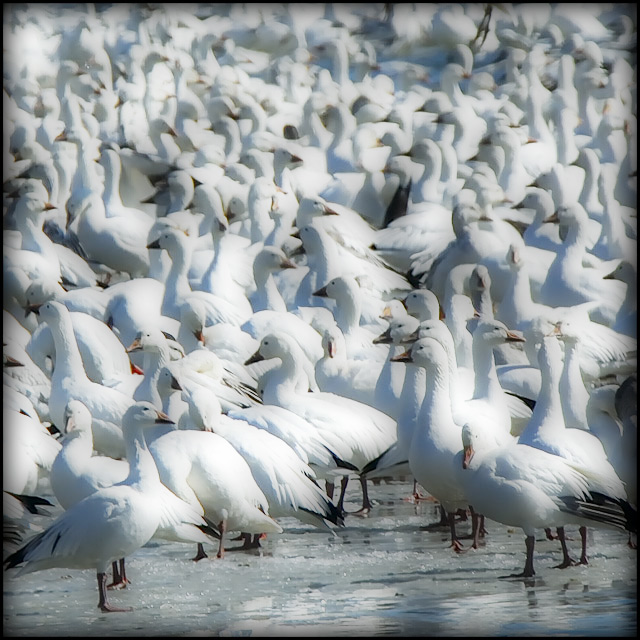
pixel 380 575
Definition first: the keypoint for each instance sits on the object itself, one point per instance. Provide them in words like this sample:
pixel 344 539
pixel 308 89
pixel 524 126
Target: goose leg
pixel 567 560
pixel 200 553
pixel 222 527
pixel 530 542
pixel 476 526
pixel 366 504
pixel 119 576
pixel 343 490
pixel 443 522
pixel 456 545
pixel 583 536
pixel 103 602
pixel 329 486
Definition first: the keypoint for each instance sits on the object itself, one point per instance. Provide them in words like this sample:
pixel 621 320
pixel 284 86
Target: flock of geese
pixel 253 253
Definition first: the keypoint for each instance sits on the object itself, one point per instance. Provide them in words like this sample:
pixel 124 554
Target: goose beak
pixel 256 357
pixel 134 346
pixel 11 362
pixel 321 293
pixel 175 384
pixel 163 418
pixel 287 264
pixel 403 357
pixel 154 245
pixel 512 336
pixel 383 338
pixel 69 425
pixel 411 338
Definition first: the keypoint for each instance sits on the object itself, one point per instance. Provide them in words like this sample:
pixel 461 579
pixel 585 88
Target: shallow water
pixel 380 575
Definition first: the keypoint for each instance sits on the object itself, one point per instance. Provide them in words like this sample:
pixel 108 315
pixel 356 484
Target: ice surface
pixel 380 575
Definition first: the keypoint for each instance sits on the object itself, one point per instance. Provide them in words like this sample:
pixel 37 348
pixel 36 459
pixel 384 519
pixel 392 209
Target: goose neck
pixel 436 407
pixel 142 467
pixel 68 359
pixel 484 365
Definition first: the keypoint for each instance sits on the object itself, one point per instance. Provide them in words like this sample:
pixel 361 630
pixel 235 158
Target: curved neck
pixel 68 359
pixel 177 284
pixel 261 222
pixel 270 297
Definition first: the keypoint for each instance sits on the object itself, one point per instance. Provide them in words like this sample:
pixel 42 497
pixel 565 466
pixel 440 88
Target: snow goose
pixel 287 482
pixel 395 461
pixel 203 368
pixel 178 289
pixel 568 282
pixel 118 244
pixel 370 431
pixel 112 522
pixel 114 208
pixel 614 241
pixel 39 256
pixel 355 379
pixel 626 318
pixel 266 263
pixel 103 355
pixel 358 336
pixel 69 382
pixel 204 470
pixel 547 431
pixel 29 451
pixel 525 487
pixel 21 373
pixel 436 437
pixel 76 473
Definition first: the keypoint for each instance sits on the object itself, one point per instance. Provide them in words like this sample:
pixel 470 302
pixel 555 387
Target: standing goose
pixel 547 431
pixel 356 432
pixel 111 523
pixel 287 482
pixel 436 437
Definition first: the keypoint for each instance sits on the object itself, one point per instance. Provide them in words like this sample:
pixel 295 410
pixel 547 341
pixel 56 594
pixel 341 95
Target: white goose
pixel 29 450
pixel 76 473
pixel 206 471
pixel 287 482
pixel 69 382
pixel 178 289
pixel 547 431
pixel 103 355
pixel 113 522
pixel 568 282
pixel 525 487
pixel 436 437
pixel 370 431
